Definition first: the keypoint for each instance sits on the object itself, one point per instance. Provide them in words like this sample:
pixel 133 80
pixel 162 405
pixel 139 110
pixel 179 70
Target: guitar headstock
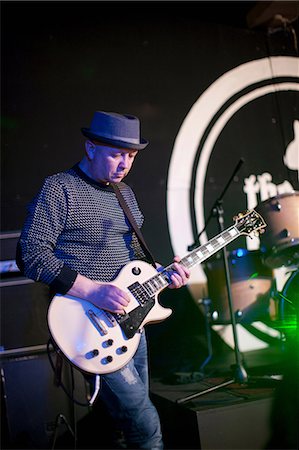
pixel 250 221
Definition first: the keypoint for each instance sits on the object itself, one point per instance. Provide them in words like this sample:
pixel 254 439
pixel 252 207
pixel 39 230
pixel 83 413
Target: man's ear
pixel 90 150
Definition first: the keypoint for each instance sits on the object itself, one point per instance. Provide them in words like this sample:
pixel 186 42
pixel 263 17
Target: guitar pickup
pixel 111 318
pixel 122 317
pixel 98 323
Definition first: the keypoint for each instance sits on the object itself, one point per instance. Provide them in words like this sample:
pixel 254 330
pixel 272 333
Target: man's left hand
pixel 180 275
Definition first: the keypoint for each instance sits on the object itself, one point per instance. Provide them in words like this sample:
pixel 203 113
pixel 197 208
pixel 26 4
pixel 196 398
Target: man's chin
pixel 118 178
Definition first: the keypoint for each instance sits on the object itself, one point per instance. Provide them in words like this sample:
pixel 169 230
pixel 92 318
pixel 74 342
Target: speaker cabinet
pixel 24 303
pixel 24 307
pixel 32 403
pixel 35 412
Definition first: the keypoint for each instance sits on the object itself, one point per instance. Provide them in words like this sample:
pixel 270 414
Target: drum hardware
pixel 238 314
pixel 285 233
pixel 286 317
pixel 286 300
pixel 288 305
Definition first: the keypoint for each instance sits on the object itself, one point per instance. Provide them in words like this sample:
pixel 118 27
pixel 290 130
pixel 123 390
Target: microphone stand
pixel 240 375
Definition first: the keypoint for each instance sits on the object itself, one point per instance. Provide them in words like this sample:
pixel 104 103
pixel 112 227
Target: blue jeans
pixel 126 395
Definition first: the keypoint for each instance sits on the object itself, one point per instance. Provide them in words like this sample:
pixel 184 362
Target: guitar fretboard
pixel 197 256
pixel 200 254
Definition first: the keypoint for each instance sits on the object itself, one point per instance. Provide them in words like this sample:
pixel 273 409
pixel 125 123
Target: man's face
pixel 110 164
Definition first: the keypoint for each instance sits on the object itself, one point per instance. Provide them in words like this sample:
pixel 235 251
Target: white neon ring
pixel 192 130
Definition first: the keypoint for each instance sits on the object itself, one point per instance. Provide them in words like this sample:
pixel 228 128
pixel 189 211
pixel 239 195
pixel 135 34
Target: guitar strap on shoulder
pixel 132 221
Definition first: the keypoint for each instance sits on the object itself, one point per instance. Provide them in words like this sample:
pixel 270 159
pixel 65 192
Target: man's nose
pixel 125 161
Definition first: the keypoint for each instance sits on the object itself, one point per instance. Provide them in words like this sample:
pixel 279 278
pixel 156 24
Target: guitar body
pixel 91 338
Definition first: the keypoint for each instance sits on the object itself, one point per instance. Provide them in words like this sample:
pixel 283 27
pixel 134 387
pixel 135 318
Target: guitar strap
pixel 132 221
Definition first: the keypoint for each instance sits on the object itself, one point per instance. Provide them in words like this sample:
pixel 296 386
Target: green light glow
pixel 285 298
pixel 254 275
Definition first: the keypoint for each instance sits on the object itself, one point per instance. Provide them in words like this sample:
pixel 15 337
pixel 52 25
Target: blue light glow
pixel 241 252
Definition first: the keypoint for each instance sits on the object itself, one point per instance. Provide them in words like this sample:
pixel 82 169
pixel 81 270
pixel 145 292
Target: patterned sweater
pixel 76 225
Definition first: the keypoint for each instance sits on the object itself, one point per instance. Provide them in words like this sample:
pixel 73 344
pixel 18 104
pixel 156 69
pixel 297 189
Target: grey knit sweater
pixel 75 225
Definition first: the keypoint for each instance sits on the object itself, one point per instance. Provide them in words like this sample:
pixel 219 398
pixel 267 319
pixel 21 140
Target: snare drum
pixel 281 236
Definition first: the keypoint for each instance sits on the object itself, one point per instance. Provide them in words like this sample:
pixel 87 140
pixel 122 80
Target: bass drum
pixel 289 305
pixel 251 283
pixel 281 237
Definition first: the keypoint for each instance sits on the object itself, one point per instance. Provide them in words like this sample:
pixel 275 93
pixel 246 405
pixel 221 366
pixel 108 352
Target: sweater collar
pixel 87 179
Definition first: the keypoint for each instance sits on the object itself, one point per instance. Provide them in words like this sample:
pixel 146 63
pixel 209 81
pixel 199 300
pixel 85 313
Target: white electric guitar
pixel 99 342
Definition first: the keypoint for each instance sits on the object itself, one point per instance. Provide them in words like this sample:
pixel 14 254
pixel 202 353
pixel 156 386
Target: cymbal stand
pixel 206 303
pixel 239 372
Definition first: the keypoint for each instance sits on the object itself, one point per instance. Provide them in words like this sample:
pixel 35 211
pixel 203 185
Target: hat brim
pixel 117 143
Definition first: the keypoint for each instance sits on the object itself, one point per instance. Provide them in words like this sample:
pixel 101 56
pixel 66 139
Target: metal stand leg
pixel 206 391
pixel 206 302
pixel 240 375
pixel 61 420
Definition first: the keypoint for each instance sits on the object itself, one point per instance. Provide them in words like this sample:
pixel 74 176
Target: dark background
pixel 61 61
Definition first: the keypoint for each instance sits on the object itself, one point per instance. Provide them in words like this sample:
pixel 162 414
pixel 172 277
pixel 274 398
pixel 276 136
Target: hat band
pixel 117 138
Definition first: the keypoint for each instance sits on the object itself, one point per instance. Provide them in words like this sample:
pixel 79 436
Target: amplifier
pixel 23 302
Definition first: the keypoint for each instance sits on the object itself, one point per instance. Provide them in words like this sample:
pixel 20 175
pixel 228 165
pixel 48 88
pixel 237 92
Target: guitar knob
pixel 108 343
pixel 92 354
pixel 121 350
pixel 136 271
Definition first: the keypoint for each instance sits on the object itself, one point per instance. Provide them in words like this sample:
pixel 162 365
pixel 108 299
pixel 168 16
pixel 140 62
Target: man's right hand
pixel 103 295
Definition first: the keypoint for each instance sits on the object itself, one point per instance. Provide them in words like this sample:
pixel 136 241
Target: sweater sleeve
pixel 46 217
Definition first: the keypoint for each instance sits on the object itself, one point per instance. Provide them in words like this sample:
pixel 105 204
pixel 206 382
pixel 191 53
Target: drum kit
pixel 242 285
pixel 252 273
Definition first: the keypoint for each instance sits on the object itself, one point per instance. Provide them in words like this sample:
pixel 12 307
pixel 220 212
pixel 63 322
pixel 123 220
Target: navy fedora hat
pixel 120 130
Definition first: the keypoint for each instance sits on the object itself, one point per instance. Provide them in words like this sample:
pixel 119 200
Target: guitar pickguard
pixel 130 323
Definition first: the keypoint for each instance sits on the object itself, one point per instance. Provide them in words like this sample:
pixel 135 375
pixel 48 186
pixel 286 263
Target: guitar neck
pixel 197 256
pixel 203 252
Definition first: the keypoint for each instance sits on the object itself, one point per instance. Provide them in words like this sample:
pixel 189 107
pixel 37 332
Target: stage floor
pixel 234 416
pixel 217 409
pixel 231 417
